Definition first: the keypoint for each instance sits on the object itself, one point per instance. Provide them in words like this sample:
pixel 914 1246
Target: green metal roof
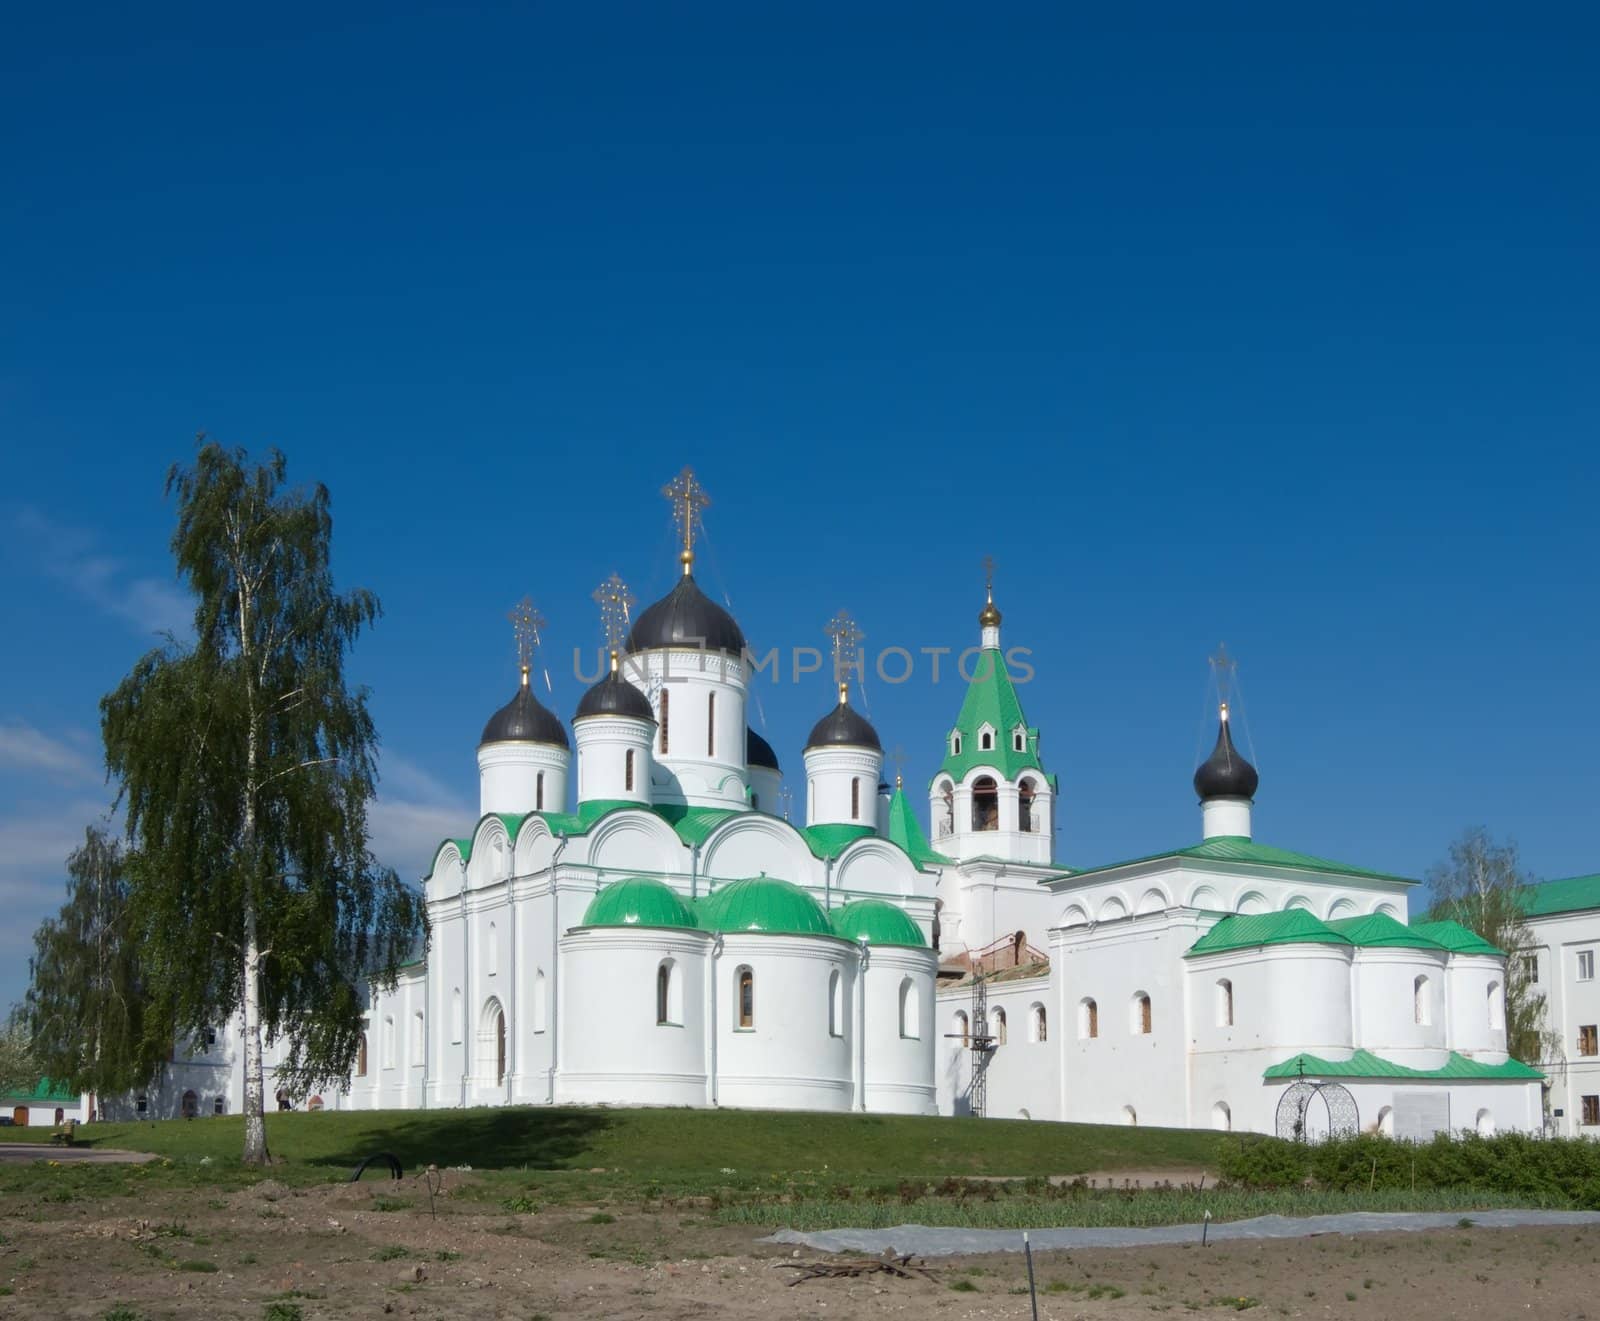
pixel 1380 930
pixel 1237 848
pixel 906 831
pixel 1456 938
pixel 638 901
pixel 1364 1064
pixel 991 699
pixel 874 922
pixel 47 1089
pixel 1292 926
pixel 762 903
pixel 831 840
pixel 1566 896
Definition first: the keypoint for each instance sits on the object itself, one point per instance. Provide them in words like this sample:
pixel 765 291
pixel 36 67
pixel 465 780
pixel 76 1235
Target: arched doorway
pixel 191 1105
pixel 492 1043
pixel 19 1116
pixel 1312 1111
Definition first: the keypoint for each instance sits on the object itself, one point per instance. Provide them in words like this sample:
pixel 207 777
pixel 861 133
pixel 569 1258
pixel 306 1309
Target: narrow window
pixel 1591 1110
pixel 627 770
pixel 1587 1042
pixel 711 725
pixel 361 1056
pixel 419 1041
pixel 1141 1014
pixel 1530 969
pixel 1088 1019
pixel 1016 741
pixel 998 1020
pixel 1422 1002
pixel 985 804
pixel 663 986
pixel 538 792
pixel 755 801
pixel 955 744
pixel 1497 1008
pixel 491 954
pixel 539 1012
pixel 835 1004
pixel 665 696
pixel 1224 1003
pixel 1039 1028
pixel 855 800
pixel 457 1018
pixel 986 740
pixel 910 1014
pixel 142 1105
pixel 500 1047
pixel 1025 806
pixel 747 998
pixel 1586 965
pixel 219 1106
pixel 962 1029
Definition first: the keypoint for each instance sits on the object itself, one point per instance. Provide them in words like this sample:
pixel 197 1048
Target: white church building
pixel 633 921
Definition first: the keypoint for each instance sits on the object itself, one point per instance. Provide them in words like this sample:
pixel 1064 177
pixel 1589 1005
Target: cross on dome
pixel 526 622
pixel 687 498
pixel 616 604
pixel 846 648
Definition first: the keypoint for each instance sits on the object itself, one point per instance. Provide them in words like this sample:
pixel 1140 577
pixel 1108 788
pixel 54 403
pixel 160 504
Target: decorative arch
pixel 1130 1116
pixel 1222 1117
pixel 871 865
pixel 1088 1019
pixel 943 799
pixel 985 804
pixel 1203 896
pixel 535 846
pixel 1422 1000
pixel 1111 909
pixel 490 860
pixel 1141 1020
pixel 635 840
pixel 492 1042
pixel 961 1027
pixel 448 875
pixel 1310 1111
pixel 1038 1022
pixel 749 844
pixel 1341 907
pixel 1030 797
pixel 1250 902
pixel 1485 1123
pixel 1075 916
pixel 1298 901
pixel 910 1011
pixel 669 994
pixel 1388 910
pixel 1153 900
pixel 1385 1123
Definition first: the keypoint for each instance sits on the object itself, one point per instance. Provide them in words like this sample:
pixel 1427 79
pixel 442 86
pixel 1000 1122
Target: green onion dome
pixel 638 902
pixel 762 903
pixel 874 922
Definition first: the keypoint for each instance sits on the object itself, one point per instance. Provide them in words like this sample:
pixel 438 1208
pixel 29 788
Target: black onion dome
pixel 843 727
pixel 615 696
pixel 1225 773
pixel 686 617
pixel 758 752
pixel 524 720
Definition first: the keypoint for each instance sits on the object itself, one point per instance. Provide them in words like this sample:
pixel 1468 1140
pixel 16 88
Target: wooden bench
pixel 62 1135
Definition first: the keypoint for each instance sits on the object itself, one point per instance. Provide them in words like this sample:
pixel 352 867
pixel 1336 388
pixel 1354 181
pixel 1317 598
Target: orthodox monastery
pixel 634 921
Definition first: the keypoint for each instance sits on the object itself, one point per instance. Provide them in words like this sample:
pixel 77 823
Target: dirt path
pixel 373 1250
pixel 18 1152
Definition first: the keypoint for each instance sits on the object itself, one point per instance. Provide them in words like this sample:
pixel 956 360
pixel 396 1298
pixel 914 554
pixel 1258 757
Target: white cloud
pixel 411 814
pixel 71 556
pixel 24 748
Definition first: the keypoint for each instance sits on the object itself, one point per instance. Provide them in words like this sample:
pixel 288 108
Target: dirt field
pixel 273 1253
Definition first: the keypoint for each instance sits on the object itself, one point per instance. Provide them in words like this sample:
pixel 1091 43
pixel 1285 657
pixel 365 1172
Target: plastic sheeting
pixel 929 1241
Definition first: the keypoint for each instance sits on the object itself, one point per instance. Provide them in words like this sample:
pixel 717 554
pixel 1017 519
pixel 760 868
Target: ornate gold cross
pixel 687 498
pixel 616 602
pixel 526 621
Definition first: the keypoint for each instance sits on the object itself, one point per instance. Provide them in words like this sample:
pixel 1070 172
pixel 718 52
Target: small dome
pixel 843 727
pixel 1225 773
pixel 762 903
pixel 686 617
pixel 989 616
pixel 758 752
pixel 524 720
pixel 614 696
pixel 875 922
pixel 638 902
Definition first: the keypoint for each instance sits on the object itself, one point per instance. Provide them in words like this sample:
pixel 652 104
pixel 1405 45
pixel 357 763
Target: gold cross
pixel 1223 667
pixel 526 621
pixel 687 498
pixel 988 576
pixel 615 601
pixel 846 641
pixel 898 757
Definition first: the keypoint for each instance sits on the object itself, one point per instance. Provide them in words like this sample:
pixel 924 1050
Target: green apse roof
pixel 1456 938
pixel 828 841
pixel 762 903
pixel 1238 848
pixel 1364 1064
pixel 638 902
pixel 1380 930
pixel 992 700
pixel 906 831
pixel 1568 896
pixel 874 922
pixel 1292 926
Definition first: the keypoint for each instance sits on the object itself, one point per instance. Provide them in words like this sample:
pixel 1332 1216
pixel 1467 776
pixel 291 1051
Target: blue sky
pixel 1205 329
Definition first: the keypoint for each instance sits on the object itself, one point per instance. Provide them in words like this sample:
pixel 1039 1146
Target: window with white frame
pixel 1585 965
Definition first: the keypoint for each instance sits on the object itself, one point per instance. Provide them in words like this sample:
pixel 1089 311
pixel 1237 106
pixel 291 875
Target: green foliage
pixel 1483 887
pixel 281 1311
pixel 19 1064
pixel 121 1312
pixel 245 765
pixel 1555 1171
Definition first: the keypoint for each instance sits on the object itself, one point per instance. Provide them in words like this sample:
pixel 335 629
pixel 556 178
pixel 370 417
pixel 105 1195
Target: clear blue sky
pixel 1206 330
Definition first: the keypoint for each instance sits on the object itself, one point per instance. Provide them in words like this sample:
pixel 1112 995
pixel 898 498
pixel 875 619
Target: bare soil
pixel 374 1250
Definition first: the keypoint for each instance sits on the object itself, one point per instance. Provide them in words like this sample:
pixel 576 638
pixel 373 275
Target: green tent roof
pixel 906 831
pixel 874 922
pixel 1364 1064
pixel 1292 926
pixel 991 699
pixel 762 903
pixel 1237 848
pixel 1567 896
pixel 1456 938
pixel 638 901
pixel 1380 930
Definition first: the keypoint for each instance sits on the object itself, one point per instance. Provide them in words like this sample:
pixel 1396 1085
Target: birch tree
pixel 245 765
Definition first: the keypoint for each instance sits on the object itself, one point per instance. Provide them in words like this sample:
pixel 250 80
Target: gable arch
pixel 1204 896
pixel 1111 908
pixel 749 844
pixel 491 853
pixel 1298 901
pixel 976 773
pixel 1251 901
pixel 448 875
pixel 1075 916
pixel 1341 907
pixel 874 866
pixel 535 846
pixel 1388 910
pixel 635 841
pixel 1153 900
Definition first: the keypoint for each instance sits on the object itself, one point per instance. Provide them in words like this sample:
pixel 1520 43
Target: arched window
pixel 538 792
pixel 745 983
pixel 955 745
pixel 1224 1002
pixel 1497 1008
pixel 457 1018
pixel 1485 1124
pixel 985 804
pixel 997 1026
pixel 1139 1019
pixel 664 993
pixel 491 953
pixel 627 770
pixel 540 1011
pixel 1130 1116
pixel 361 1056
pixel 492 1042
pixel 855 799
pixel 1088 1019
pixel 947 810
pixel 218 1106
pixel 388 1041
pixel 665 696
pixel 835 1004
pixel 419 1041
pixel 1019 740
pixel 1038 1026
pixel 1386 1121
pixel 986 740
pixel 960 1027
pixel 1025 807
pixel 191 1105
pixel 910 1010
pixel 1422 1002
pixel 711 724
pixel 1221 1117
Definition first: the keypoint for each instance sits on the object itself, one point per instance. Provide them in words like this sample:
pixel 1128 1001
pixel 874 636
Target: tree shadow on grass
pixel 488 1139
